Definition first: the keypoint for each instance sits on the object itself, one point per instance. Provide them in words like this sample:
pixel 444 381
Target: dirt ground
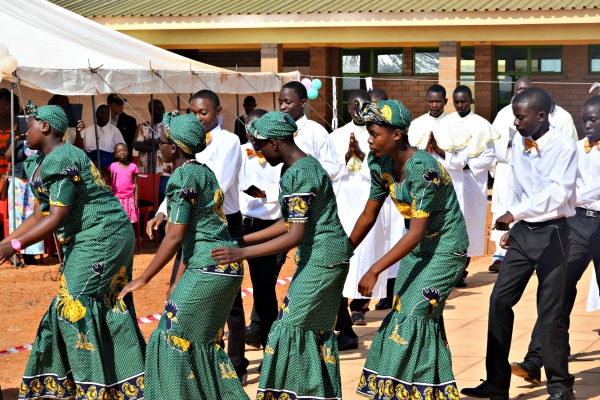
pixel 26 294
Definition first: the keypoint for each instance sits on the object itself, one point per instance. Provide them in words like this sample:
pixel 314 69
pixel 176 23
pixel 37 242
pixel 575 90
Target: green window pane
pixel 594 58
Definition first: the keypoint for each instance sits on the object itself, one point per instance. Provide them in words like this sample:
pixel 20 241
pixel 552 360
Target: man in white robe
pixel 481 155
pixel 352 187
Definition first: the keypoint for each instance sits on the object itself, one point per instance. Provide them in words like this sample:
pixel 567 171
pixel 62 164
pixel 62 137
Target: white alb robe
pixel 352 192
pixel 563 121
pixel 481 155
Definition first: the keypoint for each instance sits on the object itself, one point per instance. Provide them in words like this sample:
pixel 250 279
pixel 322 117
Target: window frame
pixel 590 47
pixel 425 50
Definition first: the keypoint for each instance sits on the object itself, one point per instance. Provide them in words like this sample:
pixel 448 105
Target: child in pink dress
pixel 124 182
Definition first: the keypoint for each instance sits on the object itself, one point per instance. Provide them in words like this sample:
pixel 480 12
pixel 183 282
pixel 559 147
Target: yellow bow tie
pixel 259 156
pixel 588 145
pixel 530 144
pixel 207 141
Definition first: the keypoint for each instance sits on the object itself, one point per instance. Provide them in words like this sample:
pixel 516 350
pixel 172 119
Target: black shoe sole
pixel 522 373
pixel 348 347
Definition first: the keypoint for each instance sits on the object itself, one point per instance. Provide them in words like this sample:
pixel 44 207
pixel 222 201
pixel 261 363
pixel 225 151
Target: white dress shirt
pixel 313 139
pixel 222 155
pixel 562 120
pixel 108 137
pixel 543 184
pixel 266 178
pixel 588 177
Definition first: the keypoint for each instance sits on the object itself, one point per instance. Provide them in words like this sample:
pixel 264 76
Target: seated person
pixel 108 137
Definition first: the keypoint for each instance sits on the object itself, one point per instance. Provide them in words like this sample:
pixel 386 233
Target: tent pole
pixel 96 131
pixel 13 221
pixel 153 158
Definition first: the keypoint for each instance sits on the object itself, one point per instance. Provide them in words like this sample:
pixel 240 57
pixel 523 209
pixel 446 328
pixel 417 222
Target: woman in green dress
pixel 301 356
pixel 88 344
pixel 184 358
pixel 409 356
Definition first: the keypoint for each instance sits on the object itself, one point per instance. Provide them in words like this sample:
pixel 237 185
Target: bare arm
pixel 365 222
pixel 281 243
pixel 418 227
pixel 273 231
pixel 168 248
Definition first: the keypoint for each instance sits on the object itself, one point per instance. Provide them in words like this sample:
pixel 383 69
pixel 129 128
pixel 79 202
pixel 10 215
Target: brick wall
pixel 324 61
pixel 449 70
pixel 485 91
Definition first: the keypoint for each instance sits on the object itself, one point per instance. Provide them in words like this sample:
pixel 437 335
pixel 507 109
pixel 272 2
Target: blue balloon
pixel 316 83
pixel 313 93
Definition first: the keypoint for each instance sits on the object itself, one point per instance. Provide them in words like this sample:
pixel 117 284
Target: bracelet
pixel 16 245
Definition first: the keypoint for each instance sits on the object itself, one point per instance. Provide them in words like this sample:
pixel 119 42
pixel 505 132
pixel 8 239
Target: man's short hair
pixel 593 101
pixel 256 113
pixel 206 94
pixel 359 95
pixel 535 98
pixel 249 99
pixel 379 94
pixel 115 98
pixel 297 87
pixel 437 89
pixel 463 89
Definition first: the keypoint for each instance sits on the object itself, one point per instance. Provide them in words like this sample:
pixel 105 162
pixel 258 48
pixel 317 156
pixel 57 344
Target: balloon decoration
pixel 8 64
pixel 312 87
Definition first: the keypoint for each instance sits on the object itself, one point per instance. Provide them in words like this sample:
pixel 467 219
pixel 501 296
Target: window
pixel 361 63
pixel 516 62
pixel 467 68
pixel 426 61
pixel 594 51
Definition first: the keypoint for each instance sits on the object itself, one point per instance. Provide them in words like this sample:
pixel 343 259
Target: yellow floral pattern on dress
pixel 129 389
pixel 397 338
pixel 227 371
pixel 98 180
pixel 218 206
pixel 452 392
pixel 178 343
pixel 401 392
pixel 111 298
pixel 326 355
pixel 390 186
pixel 68 308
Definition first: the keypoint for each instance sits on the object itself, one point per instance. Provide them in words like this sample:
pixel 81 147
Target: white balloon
pixel 3 51
pixel 8 64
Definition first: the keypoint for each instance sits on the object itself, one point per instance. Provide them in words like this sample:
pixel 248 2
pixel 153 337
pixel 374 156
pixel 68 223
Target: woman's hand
pixel 367 283
pixel 132 286
pixel 6 252
pixel 226 255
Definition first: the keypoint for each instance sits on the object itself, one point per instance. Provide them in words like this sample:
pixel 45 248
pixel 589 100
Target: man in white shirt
pixel 544 172
pixel 351 187
pixel 312 138
pixel 222 155
pixel 481 154
pixel 504 125
pixel 108 137
pixel 585 232
pixel 259 205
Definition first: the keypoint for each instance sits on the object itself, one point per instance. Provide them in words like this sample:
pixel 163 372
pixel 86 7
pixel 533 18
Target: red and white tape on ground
pixel 142 320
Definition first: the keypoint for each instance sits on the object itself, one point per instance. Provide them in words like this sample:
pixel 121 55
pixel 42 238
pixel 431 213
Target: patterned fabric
pixel 24 206
pixel 195 199
pixel 273 125
pixel 4 140
pixel 185 130
pixel 88 344
pixel 409 356
pixel 184 359
pixel 301 356
pixel 306 196
pixel 54 115
pixel 128 204
pixel 390 112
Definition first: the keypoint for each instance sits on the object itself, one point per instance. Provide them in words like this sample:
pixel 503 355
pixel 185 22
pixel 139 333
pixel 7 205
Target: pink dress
pixel 124 188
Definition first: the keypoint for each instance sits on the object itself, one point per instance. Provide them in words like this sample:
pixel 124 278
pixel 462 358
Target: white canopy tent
pixel 58 51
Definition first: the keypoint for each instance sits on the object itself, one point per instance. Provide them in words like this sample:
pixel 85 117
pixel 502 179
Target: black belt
pixel 535 225
pixel 249 221
pixel 587 213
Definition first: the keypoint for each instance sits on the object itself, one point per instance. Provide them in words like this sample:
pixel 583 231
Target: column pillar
pixel 449 70
pixel 271 57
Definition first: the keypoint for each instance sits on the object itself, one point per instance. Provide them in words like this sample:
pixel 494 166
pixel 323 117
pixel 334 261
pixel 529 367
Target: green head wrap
pixel 186 131
pixel 54 115
pixel 273 125
pixel 390 112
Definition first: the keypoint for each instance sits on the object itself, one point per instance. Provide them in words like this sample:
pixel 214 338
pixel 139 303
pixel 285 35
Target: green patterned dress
pixel 88 345
pixel 409 357
pixel 301 356
pixel 184 359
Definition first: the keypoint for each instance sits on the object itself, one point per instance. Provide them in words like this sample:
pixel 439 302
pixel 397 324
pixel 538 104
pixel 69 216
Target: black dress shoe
pixel 346 342
pixel 527 371
pixel 243 377
pixel 485 391
pixel 562 396
pixel 252 338
pixel 383 304
pixel 259 369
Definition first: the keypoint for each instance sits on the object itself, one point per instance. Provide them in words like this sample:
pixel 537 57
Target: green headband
pixel 390 112
pixel 54 115
pixel 186 131
pixel 273 125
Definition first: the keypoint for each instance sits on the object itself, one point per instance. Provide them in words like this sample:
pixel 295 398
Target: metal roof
pixel 150 8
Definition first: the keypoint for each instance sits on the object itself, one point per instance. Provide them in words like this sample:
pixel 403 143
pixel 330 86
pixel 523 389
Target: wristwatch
pixel 16 244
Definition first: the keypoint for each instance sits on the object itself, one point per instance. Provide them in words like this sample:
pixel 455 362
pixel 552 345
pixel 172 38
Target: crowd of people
pixel 386 207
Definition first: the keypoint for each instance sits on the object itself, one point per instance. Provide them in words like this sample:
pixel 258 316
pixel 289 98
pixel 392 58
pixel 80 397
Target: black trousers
pixel 585 247
pixel 263 274
pixel 344 320
pixel 544 248
pixel 236 322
